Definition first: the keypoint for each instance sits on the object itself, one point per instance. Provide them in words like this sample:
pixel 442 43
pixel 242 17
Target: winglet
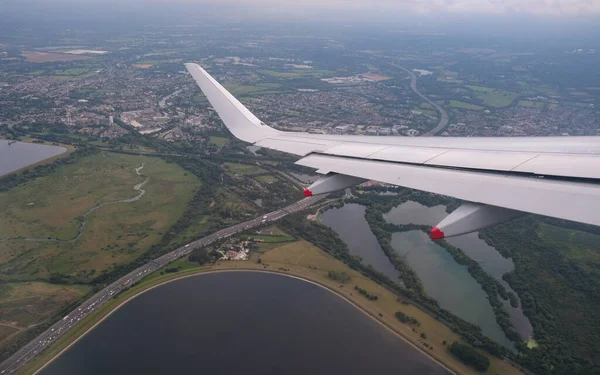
pixel 238 119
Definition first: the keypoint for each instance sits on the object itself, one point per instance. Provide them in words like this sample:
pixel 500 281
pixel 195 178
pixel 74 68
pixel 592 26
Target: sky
pixel 547 8
pixel 507 17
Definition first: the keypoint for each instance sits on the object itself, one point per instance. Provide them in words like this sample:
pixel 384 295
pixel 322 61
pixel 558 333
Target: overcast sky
pixel 553 8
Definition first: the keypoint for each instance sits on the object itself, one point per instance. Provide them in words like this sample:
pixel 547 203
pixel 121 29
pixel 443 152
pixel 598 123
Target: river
pixel 19 155
pixel 240 322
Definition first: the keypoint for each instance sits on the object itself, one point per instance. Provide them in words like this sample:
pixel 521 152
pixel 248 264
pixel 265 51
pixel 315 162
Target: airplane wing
pixel 499 178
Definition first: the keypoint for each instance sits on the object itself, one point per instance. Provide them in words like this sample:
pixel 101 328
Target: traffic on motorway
pixel 40 343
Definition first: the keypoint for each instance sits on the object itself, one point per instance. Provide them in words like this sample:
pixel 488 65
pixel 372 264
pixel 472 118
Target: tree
pixel 470 356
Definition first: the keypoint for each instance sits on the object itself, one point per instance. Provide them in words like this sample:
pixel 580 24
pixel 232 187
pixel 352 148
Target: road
pixel 36 346
pixel 443 115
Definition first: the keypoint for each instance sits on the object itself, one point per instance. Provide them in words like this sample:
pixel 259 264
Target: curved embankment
pixel 205 272
pixel 443 115
pixel 137 187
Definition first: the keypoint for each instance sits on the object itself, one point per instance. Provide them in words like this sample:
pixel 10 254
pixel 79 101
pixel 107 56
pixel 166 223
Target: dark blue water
pixel 19 155
pixel 350 224
pixel 240 322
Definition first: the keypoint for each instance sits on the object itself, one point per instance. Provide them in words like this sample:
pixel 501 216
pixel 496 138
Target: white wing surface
pixel 552 176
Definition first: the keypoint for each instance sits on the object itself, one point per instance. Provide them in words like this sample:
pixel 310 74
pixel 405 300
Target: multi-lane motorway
pixel 36 346
pixel 413 86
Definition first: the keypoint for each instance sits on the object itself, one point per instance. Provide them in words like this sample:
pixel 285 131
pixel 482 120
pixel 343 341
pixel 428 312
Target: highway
pixel 443 115
pixel 45 339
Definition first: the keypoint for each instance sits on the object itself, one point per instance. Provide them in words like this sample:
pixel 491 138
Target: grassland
pixel 25 304
pixel 297 73
pixel 114 234
pixel 42 57
pixel 463 105
pixel 6 331
pixel 218 141
pixel 497 98
pixel 480 88
pixel 530 104
pixel 303 260
pixel 244 169
pixel 267 179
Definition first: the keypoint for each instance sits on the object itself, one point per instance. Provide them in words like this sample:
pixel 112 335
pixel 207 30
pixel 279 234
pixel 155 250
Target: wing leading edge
pixel 552 176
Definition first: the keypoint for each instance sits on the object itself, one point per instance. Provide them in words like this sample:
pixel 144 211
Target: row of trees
pixel 470 356
pixel 402 317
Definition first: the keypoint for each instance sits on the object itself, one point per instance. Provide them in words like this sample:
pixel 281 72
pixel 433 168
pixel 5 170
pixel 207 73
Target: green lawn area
pixel 463 105
pixel 530 104
pixel 497 99
pixel 271 239
pixel 297 73
pixel 218 141
pixel 70 72
pixel 244 168
pixel 50 207
pixel 449 80
pixel 480 88
pixel 267 179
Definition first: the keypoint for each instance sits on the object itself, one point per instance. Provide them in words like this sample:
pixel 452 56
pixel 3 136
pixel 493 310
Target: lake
pixel 241 322
pixel 492 262
pixel 443 278
pixel 20 154
pixel 350 224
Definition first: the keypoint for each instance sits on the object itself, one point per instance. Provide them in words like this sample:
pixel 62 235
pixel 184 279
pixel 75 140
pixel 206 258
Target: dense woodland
pixel 557 277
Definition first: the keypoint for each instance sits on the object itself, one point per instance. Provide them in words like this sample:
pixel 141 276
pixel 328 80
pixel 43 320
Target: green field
pixel 245 169
pixel 463 105
pixel 497 99
pixel 267 179
pixel 70 72
pixel 218 141
pixel 449 80
pixel 297 73
pixel 530 104
pixel 272 239
pixel 50 207
pixel 6 331
pixel 30 302
pixel 480 88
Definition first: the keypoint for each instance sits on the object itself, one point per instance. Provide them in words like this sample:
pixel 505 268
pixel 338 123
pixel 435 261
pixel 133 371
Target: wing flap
pixel 529 194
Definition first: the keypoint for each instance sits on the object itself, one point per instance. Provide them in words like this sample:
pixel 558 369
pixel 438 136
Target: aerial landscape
pixel 138 217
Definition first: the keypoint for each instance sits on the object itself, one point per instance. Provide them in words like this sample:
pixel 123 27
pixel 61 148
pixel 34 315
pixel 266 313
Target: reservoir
pixel 19 154
pixel 241 322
